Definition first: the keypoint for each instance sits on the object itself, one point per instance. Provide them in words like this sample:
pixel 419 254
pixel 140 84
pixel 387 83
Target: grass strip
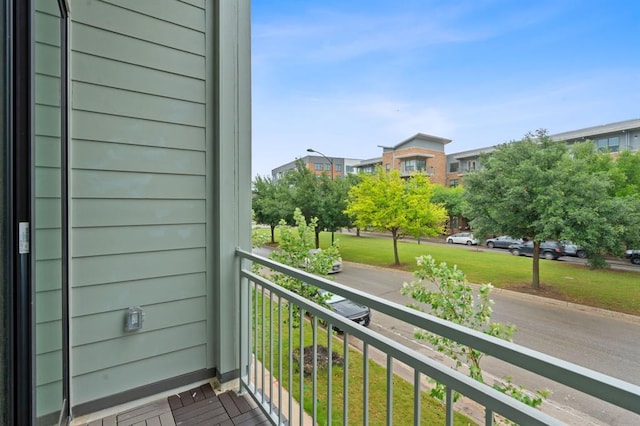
pixel 432 410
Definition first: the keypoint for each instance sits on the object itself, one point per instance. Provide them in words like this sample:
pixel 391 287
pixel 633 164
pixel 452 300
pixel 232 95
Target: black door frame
pixel 20 210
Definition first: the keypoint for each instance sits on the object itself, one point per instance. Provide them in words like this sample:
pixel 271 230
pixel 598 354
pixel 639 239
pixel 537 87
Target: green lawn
pixel 431 412
pixel 607 289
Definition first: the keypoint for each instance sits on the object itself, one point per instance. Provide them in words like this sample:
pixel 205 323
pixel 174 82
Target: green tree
pixel 452 199
pixel 333 196
pixel 453 300
pixel 619 209
pixel 387 202
pixel 271 202
pixel 627 170
pixel 306 195
pixel 319 197
pixel 294 250
pixel 537 190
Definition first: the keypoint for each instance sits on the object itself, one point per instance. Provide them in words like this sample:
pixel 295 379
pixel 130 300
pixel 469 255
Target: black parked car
pixel 349 309
pixel 551 250
pixel 633 256
pixel 503 241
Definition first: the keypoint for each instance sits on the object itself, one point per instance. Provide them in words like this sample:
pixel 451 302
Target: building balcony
pixel 278 328
pixel 290 365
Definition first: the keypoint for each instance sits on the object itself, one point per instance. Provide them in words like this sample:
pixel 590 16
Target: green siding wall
pixel 138 193
pixel 47 224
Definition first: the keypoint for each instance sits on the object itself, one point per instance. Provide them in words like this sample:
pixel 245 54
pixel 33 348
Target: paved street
pixel 603 342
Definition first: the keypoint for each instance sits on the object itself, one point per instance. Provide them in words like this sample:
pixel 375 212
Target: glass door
pixel 49 213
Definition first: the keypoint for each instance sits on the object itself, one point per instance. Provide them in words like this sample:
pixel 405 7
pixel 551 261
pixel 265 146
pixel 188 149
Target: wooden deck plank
pixel 186 398
pixel 241 403
pixel 250 418
pixel 155 421
pixel 211 417
pixel 229 404
pixel 203 408
pixel 174 402
pixel 197 408
pixel 213 410
pixel 208 390
pixel 197 394
pixel 167 420
pixel 148 410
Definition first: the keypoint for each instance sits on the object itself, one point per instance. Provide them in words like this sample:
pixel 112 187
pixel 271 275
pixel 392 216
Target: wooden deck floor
pixel 197 407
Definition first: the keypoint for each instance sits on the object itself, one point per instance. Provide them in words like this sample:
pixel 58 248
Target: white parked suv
pixel 462 238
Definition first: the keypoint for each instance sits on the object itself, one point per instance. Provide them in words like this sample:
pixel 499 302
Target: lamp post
pixel 331 166
pixel 327 158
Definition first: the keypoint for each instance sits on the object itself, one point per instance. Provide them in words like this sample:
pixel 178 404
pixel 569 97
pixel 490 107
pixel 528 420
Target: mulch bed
pixel 322 358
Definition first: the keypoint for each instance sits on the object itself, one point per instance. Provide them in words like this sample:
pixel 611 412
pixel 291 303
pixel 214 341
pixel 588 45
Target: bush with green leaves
pixel 295 249
pixel 453 300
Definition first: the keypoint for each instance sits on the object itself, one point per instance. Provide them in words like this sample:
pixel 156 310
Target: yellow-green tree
pixel 386 202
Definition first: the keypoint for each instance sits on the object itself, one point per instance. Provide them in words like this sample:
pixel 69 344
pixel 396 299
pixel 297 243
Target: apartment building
pixel 423 153
pixel 612 137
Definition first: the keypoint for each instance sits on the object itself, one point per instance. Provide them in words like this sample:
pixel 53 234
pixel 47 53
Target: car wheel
pixel 549 256
pixel 450 241
pixel 469 243
pixel 635 260
pixel 581 254
pixel 515 252
pixel 490 244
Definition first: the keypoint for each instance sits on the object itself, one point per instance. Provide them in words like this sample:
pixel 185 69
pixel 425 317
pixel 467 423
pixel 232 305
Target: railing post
pixel 244 344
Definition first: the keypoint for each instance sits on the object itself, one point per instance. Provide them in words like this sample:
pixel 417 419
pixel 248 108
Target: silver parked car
pixel 462 238
pixel 503 241
pixel 571 249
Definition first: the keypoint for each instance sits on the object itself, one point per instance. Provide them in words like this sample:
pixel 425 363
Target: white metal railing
pixel 267 315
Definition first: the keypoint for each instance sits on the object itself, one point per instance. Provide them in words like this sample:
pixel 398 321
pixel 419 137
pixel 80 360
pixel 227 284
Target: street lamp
pixel 327 158
pixel 331 166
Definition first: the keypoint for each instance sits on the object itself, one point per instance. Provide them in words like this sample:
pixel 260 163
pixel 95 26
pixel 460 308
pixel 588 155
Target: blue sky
pixel 343 77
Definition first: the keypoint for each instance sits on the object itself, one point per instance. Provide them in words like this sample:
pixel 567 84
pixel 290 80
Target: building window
pixel 414 165
pixel 338 167
pixel 609 144
pixel 388 167
pixel 318 167
pixel 327 167
pixel 453 183
pixel 349 169
pixel 453 167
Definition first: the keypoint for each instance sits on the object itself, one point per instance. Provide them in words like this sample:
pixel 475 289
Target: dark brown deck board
pixel 199 406
pixel 229 404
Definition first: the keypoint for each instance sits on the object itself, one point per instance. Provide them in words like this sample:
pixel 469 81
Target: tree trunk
pixel 394 234
pixel 535 280
pixel 317 239
pixel 273 230
pixel 357 231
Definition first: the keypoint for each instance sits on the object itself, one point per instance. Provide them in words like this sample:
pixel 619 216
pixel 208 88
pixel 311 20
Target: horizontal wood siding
pixel 137 193
pixel 47 224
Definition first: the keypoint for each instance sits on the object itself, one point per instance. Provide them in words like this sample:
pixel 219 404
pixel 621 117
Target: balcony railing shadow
pixel 289 360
